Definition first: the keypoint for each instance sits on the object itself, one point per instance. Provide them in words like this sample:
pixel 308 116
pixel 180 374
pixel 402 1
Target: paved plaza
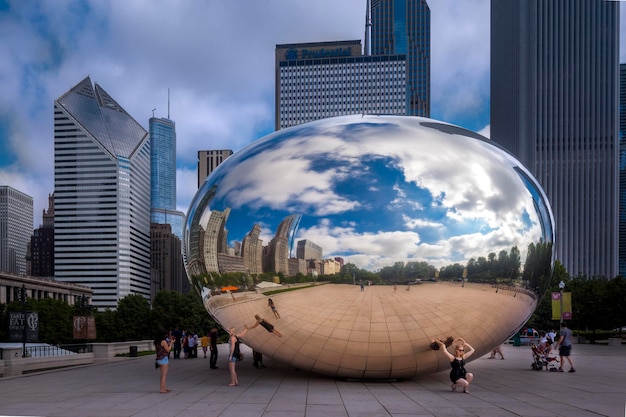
pixel 130 387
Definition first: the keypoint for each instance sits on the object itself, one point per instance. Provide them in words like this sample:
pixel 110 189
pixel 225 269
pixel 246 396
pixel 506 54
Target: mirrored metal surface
pixel 371 191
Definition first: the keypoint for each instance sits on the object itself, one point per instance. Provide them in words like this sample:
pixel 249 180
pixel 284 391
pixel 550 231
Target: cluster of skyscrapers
pixel 556 88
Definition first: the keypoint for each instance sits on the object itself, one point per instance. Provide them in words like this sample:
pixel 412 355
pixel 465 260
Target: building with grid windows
pixel 16 227
pixel 101 196
pixel 557 113
pixel 319 80
pixel 325 79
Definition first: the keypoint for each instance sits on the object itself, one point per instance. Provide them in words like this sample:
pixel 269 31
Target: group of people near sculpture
pixel 165 341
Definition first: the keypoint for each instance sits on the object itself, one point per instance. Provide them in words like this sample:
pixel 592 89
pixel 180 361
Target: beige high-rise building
pixel 209 160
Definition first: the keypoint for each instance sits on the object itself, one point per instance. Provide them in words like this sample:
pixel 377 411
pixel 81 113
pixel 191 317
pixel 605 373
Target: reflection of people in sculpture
pixel 270 303
pixel 458 375
pixel 266 325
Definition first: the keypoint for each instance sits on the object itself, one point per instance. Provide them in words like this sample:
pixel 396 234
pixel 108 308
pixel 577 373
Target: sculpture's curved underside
pixel 378 333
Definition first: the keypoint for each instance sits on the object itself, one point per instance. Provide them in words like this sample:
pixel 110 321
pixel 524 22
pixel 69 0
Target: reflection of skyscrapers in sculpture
pixel 308 250
pixel 195 258
pixel 330 267
pixel 252 251
pixel 312 254
pixel 277 251
pixel 250 256
pixel 215 238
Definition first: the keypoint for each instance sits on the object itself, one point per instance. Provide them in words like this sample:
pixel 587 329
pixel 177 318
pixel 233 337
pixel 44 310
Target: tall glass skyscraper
pixel 163 175
pixel 554 104
pixel 102 196
pixel 403 27
pixel 622 170
pixel 16 227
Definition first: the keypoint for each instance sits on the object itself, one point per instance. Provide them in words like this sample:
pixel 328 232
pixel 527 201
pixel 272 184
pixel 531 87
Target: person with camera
pixel 163 342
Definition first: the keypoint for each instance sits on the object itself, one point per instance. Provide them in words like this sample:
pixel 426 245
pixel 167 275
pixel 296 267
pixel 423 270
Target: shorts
pixel 163 361
pixel 565 350
pixel 233 359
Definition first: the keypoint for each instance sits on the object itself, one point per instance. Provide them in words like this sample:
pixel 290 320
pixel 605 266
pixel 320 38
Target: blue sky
pixel 217 59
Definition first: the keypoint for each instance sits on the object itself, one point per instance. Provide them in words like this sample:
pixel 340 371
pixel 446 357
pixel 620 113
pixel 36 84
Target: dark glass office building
pixel 554 104
pixel 622 170
pixel 402 27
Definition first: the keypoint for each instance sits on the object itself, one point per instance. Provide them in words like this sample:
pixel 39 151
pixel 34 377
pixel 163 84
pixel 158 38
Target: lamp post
pixel 23 299
pixel 561 288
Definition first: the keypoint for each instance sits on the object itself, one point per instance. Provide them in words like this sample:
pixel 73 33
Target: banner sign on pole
pixel 84 327
pixel 556 306
pixel 18 320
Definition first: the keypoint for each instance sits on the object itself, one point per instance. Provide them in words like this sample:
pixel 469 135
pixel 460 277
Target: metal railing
pixel 59 350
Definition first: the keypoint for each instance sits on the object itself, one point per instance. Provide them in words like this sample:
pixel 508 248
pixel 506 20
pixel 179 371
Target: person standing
pixel 163 347
pixel 458 375
pixel 565 347
pixel 234 354
pixel 213 348
pixel 257 359
pixel 192 346
pixel 177 334
pixel 204 342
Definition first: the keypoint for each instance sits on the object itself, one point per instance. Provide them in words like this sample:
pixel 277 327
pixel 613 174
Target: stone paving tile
pixel 129 387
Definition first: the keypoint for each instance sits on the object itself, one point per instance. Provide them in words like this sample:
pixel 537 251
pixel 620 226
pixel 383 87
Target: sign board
pixel 23 323
pixel 556 306
pixel 84 327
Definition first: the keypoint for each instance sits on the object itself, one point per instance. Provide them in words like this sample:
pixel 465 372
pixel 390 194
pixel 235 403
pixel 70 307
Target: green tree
pixel 167 309
pixel 134 318
pixel 55 320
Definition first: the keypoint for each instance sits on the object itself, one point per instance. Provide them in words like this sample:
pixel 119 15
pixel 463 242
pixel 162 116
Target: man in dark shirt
pixel 213 347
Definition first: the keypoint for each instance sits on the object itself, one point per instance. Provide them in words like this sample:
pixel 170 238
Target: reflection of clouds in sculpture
pixel 301 187
pixel 377 190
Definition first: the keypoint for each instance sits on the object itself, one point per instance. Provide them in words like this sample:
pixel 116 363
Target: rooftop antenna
pixel 368 27
pixel 153 110
pixel 168 103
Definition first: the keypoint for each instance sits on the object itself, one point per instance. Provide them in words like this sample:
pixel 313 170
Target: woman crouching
pixel 458 375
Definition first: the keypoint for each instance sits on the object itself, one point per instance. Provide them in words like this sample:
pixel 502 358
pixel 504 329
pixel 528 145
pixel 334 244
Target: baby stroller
pixel 541 360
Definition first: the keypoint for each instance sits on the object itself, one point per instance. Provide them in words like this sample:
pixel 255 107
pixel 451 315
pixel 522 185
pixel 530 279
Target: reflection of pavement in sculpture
pixel 380 333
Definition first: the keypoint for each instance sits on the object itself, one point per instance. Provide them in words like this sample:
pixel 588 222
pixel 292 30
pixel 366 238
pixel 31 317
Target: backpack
pixel 237 353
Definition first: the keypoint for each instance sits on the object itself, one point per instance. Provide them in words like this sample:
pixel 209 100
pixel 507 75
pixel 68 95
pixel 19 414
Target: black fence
pixel 59 350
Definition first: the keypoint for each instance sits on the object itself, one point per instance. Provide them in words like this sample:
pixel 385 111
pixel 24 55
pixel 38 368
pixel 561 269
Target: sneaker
pixel 560 369
pixel 572 370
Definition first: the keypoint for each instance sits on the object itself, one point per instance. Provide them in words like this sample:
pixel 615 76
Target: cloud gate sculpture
pixel 380 194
